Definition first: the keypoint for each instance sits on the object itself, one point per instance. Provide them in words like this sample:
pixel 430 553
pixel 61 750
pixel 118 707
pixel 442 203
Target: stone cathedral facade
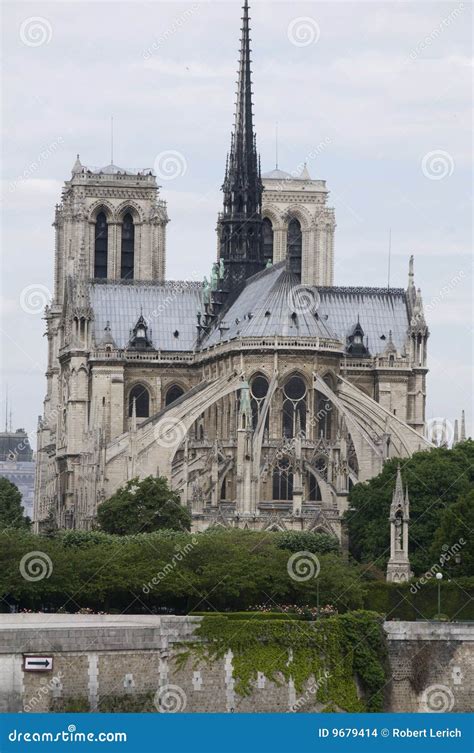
pixel 263 393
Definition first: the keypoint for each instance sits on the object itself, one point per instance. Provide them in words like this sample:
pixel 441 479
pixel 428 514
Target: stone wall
pixel 431 666
pixel 125 663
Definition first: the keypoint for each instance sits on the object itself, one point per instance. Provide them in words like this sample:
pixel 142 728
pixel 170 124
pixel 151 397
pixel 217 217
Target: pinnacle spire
pixel 398 493
pixel 240 224
pixel 243 125
pixel 463 427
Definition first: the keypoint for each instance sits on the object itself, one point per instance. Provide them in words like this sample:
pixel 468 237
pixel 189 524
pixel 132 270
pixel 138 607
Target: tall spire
pixel 463 427
pixel 243 125
pixel 398 492
pixel 240 224
pixel 456 432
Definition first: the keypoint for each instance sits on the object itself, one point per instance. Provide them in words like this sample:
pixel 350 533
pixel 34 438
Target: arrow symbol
pixel 44 663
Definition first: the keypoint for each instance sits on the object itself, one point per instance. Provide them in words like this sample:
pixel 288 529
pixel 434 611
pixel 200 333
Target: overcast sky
pixel 380 90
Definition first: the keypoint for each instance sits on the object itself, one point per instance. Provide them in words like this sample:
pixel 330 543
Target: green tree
pixel 436 480
pixel 297 541
pixel 11 512
pixel 452 544
pixel 141 507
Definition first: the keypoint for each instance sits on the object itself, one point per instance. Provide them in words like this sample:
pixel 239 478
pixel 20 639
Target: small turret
pixel 398 568
pixel 77 167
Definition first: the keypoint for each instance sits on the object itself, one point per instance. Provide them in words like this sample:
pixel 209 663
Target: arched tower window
pixel 173 394
pixel 267 240
pixel 294 246
pixel 141 396
pixel 101 246
pixel 128 247
pixel 294 407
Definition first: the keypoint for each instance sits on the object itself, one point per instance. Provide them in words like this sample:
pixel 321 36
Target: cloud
pixel 383 95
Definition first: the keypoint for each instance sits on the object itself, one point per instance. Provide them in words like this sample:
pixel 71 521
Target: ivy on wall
pixel 332 656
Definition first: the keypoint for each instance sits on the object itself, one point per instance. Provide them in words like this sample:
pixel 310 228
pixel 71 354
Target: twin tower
pixel 111 223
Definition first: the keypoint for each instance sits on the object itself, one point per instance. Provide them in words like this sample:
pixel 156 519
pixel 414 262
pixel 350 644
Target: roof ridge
pixel 359 289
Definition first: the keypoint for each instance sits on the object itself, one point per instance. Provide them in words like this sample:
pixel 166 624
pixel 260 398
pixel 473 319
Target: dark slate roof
pixel 379 311
pixel 167 307
pixel 272 303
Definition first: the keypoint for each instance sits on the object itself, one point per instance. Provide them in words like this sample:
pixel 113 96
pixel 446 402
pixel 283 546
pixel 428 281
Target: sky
pixel 374 96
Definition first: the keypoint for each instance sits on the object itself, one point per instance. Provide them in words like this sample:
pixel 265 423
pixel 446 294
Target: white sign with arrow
pixel 37 663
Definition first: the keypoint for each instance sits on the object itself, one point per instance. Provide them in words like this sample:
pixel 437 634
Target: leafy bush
pixel 402 602
pixel 306 541
pixel 169 571
pixel 337 650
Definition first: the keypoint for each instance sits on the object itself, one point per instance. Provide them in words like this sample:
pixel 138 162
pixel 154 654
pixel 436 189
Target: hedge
pixel 402 602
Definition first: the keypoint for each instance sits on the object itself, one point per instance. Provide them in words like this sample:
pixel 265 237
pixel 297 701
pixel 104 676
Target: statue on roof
pixel 206 290
pixel 215 276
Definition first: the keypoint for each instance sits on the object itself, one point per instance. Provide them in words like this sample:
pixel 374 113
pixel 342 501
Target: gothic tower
pixel 240 224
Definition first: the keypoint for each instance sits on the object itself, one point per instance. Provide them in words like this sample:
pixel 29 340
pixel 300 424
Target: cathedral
pixel 262 393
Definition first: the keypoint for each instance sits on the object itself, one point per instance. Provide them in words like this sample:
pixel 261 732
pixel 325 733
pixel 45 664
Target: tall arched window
pixel 128 247
pixel 141 396
pixel 173 394
pixel 294 246
pixel 101 246
pixel 325 412
pixel 282 480
pixel 267 240
pixel 258 391
pixel 294 407
pixel 314 492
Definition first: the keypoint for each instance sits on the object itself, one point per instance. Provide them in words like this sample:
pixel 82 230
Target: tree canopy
pixel 437 480
pixel 452 542
pixel 142 507
pixel 215 570
pixel 12 514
